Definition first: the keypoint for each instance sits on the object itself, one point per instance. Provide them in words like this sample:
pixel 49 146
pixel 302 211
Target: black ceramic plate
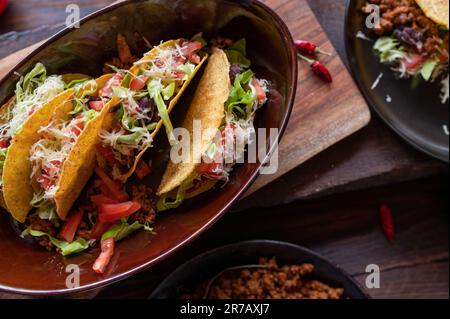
pixel 415 113
pixel 209 264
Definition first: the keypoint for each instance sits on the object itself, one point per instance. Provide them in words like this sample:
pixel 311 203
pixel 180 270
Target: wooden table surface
pixel 373 166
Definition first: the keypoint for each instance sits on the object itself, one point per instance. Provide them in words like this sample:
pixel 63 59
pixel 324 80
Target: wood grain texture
pixel 345 228
pixel 323 114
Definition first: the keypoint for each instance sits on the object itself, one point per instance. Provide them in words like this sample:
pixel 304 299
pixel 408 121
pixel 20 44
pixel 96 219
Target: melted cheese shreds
pixel 29 102
pixel 49 153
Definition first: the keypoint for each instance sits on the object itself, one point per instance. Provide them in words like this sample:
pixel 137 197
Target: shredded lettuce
pixel 390 50
pixel 428 68
pixel 64 247
pixel 122 230
pixel 135 138
pixel 164 203
pixel 75 83
pixel 155 91
pixel 188 69
pixel 240 97
pixel 47 211
pixel 237 53
pixel 32 91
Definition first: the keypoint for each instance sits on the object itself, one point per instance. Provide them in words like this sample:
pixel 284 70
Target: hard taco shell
pixel 436 10
pixel 208 106
pixel 77 168
pixel 111 118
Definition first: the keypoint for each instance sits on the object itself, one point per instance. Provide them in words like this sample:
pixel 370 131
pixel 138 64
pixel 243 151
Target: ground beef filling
pixel 146 215
pixel 271 282
pixel 406 15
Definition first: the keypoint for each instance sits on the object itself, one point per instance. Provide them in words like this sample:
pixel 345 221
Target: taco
pixel 147 96
pixel 436 10
pixel 53 155
pixel 225 102
pixel 32 92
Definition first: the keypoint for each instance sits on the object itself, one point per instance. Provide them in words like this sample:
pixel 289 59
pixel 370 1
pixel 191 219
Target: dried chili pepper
pixel 309 48
pixel 387 221
pixel 318 68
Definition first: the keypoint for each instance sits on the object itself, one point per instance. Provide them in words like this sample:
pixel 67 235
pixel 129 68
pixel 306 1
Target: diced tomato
pixel 99 229
pixel 76 127
pixel 45 182
pixel 413 62
pixel 108 154
pixel 110 213
pixel 116 80
pixel 103 199
pixel 47 169
pixel 96 105
pixel 105 256
pixel 114 187
pixel 4 143
pixel 260 94
pixel 70 227
pixel 142 169
pixel 190 51
pixel 138 83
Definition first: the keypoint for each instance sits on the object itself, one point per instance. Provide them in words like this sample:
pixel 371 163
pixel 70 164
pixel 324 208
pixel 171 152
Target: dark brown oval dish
pixel 206 266
pixel 415 113
pixel 25 268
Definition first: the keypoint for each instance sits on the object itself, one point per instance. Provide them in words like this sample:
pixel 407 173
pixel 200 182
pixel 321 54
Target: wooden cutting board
pixel 323 114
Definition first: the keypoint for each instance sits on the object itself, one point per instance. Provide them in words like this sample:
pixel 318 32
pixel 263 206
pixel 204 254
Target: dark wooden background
pixel 328 204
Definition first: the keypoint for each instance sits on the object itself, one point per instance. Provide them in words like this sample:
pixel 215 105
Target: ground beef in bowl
pixel 268 282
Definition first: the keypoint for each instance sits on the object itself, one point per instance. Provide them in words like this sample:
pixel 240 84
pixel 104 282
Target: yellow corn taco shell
pixel 77 168
pixel 4 117
pixel 80 164
pixel 208 106
pixel 110 120
pixel 17 190
pixel 5 112
pixel 436 10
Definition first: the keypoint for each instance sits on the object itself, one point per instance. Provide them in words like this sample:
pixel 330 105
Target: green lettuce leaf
pixel 390 50
pixel 165 204
pixel 428 68
pixel 241 101
pixel 122 230
pixel 64 247
pixel 155 91
pixel 237 53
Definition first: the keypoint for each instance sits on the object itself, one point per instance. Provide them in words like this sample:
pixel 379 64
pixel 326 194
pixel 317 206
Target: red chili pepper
pixel 318 68
pixel 387 221
pixel 308 48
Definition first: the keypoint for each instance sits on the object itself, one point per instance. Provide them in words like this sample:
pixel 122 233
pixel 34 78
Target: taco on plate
pixel 53 155
pixel 147 96
pixel 225 102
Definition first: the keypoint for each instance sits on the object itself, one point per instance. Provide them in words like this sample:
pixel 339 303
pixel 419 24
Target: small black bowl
pixel 206 266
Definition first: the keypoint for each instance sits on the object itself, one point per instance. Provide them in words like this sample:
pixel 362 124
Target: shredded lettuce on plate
pixel 123 229
pixel 159 93
pixel 390 50
pixel 64 247
pixel 164 203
